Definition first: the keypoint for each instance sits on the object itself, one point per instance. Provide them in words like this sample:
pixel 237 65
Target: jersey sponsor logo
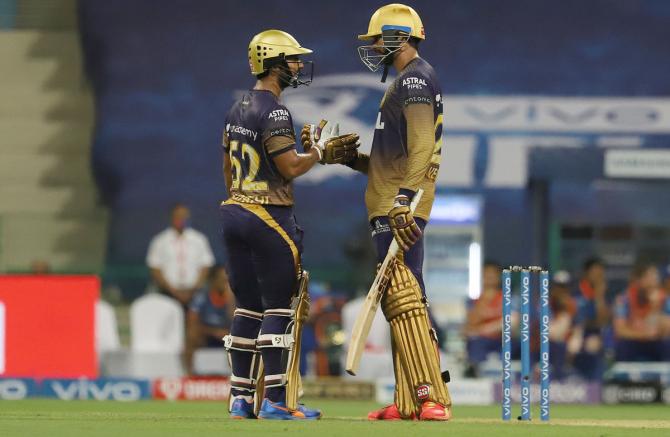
pixel 282 131
pixel 231 128
pixel 414 83
pixel 256 199
pixel 432 172
pixel 418 99
pixel 279 115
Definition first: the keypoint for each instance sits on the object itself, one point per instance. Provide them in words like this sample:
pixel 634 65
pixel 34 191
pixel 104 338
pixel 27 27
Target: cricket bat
pixel 363 323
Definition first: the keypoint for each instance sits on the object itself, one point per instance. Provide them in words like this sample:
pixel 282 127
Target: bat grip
pixel 393 248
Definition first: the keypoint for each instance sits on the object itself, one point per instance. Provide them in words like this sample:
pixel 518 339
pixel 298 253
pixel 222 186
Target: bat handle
pixel 416 200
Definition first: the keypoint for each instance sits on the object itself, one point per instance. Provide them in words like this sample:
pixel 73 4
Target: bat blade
pixel 363 323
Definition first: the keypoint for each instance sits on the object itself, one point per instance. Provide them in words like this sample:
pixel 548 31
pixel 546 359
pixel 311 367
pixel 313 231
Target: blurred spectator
pixel 179 258
pixel 642 318
pixel 562 324
pixel 666 280
pixel 40 267
pixel 483 326
pixel 209 316
pixel 594 317
pixel 326 320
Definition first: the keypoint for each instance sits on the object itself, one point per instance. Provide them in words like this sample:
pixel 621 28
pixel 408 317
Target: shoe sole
pixel 282 417
pixel 436 418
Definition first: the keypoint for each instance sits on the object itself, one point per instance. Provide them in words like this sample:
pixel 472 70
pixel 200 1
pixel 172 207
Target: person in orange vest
pixel 642 318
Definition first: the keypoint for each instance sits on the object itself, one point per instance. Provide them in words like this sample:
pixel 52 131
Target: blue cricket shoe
pixel 278 411
pixel 241 409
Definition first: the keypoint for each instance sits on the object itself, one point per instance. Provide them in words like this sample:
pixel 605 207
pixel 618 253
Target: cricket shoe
pixel 241 409
pixel 278 411
pixel 389 412
pixel 433 411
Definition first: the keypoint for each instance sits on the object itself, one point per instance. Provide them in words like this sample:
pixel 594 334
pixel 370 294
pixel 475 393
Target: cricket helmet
pixel 394 16
pixel 395 24
pixel 271 47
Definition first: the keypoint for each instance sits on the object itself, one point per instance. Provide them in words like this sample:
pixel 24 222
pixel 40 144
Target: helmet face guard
pixel 393 37
pixel 287 78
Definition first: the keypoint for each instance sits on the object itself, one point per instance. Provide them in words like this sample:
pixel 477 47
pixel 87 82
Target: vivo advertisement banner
pixel 14 389
pixel 102 389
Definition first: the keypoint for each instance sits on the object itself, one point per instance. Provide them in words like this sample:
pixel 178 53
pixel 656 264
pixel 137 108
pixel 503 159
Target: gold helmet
pixel 395 16
pixel 395 24
pixel 273 47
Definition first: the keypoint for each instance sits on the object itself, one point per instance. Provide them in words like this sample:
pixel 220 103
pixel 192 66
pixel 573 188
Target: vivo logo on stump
pixel 525 307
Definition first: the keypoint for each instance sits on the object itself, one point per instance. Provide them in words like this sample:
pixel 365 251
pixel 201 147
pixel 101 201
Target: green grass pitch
pixel 341 418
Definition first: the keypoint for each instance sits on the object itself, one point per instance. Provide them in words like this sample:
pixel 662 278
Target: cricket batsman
pixel 261 236
pixel 404 158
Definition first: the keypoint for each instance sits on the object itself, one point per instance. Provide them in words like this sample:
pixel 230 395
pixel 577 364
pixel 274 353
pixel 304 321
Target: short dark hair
pixel 592 262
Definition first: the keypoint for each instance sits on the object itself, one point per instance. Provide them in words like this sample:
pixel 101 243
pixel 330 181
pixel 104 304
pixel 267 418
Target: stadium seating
pixel 106 329
pixel 48 200
pixel 157 340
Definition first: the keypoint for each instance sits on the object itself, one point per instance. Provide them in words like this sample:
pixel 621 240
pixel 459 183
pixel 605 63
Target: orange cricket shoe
pixel 433 411
pixel 389 412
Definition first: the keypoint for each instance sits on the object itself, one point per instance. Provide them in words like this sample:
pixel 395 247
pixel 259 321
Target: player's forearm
pixel 420 144
pixel 292 164
pixel 360 164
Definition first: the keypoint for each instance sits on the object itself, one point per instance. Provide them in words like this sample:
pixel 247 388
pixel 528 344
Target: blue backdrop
pixel 166 71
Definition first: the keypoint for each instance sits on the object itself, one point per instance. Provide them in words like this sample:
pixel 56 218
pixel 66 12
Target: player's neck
pixel 268 84
pixel 404 57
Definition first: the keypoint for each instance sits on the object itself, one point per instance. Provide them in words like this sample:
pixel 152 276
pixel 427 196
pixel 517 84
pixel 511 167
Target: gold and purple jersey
pixel 407 144
pixel 258 128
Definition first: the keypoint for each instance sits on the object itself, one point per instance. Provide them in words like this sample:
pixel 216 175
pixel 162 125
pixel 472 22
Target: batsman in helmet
pixel 405 157
pixel 260 233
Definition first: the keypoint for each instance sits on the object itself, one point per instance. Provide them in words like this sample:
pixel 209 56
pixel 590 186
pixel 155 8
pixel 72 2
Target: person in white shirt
pixel 180 257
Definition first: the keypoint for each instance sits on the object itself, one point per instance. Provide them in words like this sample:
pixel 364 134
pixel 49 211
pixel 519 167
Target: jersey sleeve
pixel 277 131
pixel 416 95
pixel 416 88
